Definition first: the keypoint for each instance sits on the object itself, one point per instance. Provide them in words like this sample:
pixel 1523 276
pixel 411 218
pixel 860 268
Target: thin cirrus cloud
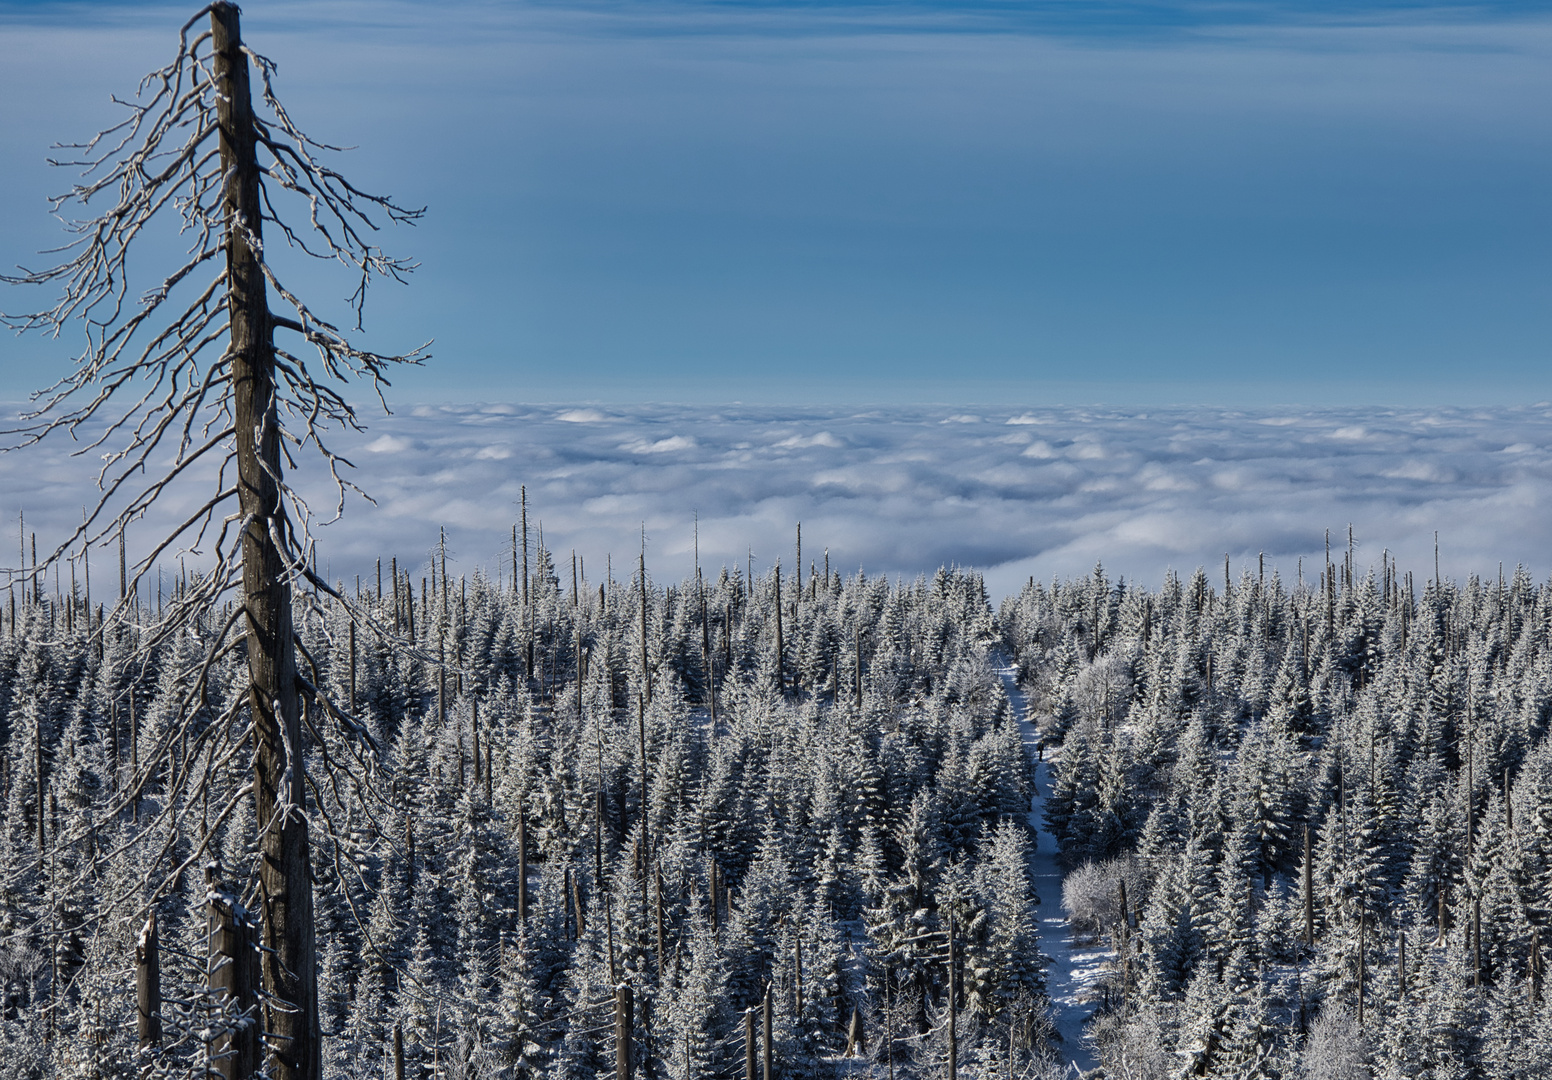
pixel 903 490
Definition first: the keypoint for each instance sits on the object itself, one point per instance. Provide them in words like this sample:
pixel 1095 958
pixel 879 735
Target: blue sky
pixel 814 202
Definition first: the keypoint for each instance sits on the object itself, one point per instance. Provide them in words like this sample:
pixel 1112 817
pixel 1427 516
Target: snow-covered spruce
pixel 1331 809
pixel 861 787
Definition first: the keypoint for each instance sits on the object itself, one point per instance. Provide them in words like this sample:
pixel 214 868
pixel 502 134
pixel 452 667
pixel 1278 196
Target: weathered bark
pixel 641 702
pixel 148 985
pixel 711 670
pixel 233 975
pixel 474 734
pixel 658 882
pixel 856 1039
pixel 134 757
pixel 37 752
pixel 1535 965
pixel 289 964
pixel 1476 942
pixel 781 677
pixel 624 1021
pixel 768 1069
pixel 953 1008
pixel 749 1044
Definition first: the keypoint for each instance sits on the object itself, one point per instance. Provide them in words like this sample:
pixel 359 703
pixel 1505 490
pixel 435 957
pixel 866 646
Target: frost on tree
pixel 182 379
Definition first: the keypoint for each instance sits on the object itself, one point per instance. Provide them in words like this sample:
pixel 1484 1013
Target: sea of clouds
pixel 1014 491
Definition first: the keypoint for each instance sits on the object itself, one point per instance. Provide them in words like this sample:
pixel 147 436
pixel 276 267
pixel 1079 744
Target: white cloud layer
pixel 1018 491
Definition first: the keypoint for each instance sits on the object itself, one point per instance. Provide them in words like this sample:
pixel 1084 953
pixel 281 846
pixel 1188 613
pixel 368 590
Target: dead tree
pixel 232 969
pixel 623 1025
pixel 148 985
pixel 187 378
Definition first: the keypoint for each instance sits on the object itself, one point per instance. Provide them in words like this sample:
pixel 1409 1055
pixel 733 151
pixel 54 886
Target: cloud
pixel 659 446
pixel 900 491
pixel 801 442
pixel 582 416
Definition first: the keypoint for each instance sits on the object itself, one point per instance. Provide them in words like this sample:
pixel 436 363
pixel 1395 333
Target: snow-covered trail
pixel 1074 969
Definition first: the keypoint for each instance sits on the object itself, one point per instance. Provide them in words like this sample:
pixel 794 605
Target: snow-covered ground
pixel 1074 969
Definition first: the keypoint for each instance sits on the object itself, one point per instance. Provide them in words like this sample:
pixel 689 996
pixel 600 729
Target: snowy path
pixel 1074 969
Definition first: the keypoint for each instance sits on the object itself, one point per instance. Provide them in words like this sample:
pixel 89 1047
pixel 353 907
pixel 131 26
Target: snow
pixel 1074 969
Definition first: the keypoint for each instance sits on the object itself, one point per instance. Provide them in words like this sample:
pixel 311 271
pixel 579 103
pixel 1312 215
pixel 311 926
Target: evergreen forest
pixel 761 825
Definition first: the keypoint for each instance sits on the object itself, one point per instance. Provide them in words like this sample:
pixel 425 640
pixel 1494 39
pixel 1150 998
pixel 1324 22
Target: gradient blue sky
pixel 1023 202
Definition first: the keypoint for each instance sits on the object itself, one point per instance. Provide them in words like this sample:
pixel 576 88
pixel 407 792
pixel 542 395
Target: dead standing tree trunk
pixel 148 986
pixel 285 883
pixel 211 388
pixel 233 962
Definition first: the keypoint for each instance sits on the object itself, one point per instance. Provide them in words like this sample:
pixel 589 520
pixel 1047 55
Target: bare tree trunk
pixel 285 887
pixel 953 1009
pixel 623 1023
pixel 474 736
pixel 658 883
pixel 581 673
pixel 1535 966
pixel 1476 942
pixel 749 1044
pixel 768 1069
pixel 642 699
pixel 37 752
pixel 134 756
pixel 711 670
pixel 856 1040
pixel 232 982
pixel 781 678
pixel 148 985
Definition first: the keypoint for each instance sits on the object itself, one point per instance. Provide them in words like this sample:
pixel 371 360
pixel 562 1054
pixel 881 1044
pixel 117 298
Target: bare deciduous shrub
pixel 1134 1046
pixel 1335 1048
pixel 1092 893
